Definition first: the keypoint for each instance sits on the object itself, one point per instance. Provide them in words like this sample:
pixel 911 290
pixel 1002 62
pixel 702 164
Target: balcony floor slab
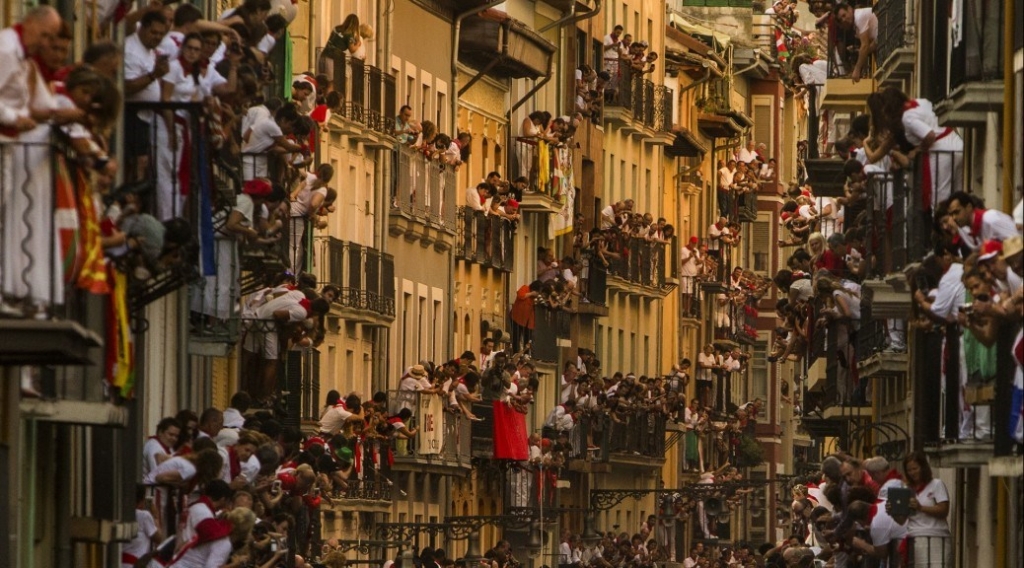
pixel 56 342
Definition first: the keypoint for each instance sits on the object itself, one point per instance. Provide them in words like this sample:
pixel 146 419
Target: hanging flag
pixel 120 363
pixel 564 183
pixel 65 220
pixel 93 275
pixel 782 50
pixel 207 250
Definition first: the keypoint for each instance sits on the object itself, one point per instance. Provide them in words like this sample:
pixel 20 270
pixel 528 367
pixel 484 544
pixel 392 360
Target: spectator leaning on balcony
pixel 268 137
pixel 978 224
pixel 306 200
pixel 610 214
pixel 406 128
pixel 748 153
pixel 950 292
pixel 25 188
pixel 144 65
pixel 942 146
pixel 477 197
pixel 864 22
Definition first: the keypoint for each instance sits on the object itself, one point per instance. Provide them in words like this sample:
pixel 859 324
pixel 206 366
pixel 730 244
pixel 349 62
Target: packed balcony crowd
pixel 624 59
pixel 863 512
pixel 238 488
pixel 904 208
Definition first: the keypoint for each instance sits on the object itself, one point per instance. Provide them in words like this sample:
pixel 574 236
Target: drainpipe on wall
pixel 573 18
pixel 1009 105
pixel 456 30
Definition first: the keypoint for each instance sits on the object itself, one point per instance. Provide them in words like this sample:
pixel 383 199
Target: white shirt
pixel 141 544
pixel 920 121
pixel 266 44
pixel 15 70
pixel 611 50
pixel 197 513
pixel 289 301
pixel 473 199
pixel 705 374
pixel 262 136
pixel 233 418
pixel 725 176
pixel 171 44
pixel 864 20
pixel 608 217
pixel 150 450
pixel 950 293
pixel 179 464
pixel 186 89
pixel 254 115
pixel 921 524
pixel 212 79
pixel 714 231
pixel 410 384
pixel 139 61
pixel 691 268
pixel 304 198
pixel 215 553
pixel 994 225
pixel 334 418
pixel 884 529
pixel 814 73
pixel 745 156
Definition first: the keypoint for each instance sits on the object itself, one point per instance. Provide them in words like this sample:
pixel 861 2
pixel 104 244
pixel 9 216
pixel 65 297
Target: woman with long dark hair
pixel 931 542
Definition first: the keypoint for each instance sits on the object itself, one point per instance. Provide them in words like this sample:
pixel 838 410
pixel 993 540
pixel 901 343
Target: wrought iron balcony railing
pixel 442 436
pixel 893 30
pixel 365 275
pixel 640 261
pixel 978 56
pixel 485 239
pixel 544 164
pixel 424 189
pixel 368 94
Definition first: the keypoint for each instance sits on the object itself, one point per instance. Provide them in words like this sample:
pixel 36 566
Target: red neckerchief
pixel 395 420
pixel 976 222
pixel 910 104
pixel 204 500
pixel 893 474
pixel 307 305
pixel 20 30
pixel 194 69
pixel 49 74
pixel 235 466
pixel 167 450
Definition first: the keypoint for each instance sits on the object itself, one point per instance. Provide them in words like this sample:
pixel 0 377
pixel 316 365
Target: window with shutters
pixel 764 123
pixel 760 245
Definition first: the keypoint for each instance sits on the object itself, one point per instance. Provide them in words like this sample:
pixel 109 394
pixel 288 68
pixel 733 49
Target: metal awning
pixel 718 126
pixel 685 144
pixel 497 44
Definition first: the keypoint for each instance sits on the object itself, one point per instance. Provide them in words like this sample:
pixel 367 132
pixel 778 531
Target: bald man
pixel 17 45
pixel 28 212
